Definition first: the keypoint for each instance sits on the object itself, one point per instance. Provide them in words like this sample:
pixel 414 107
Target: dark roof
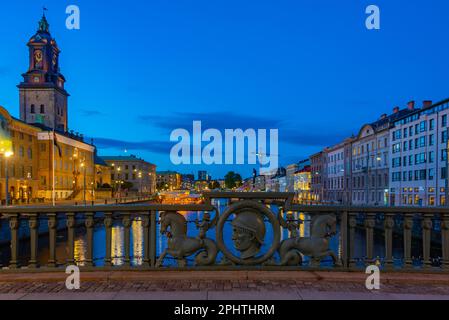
pixel 98 160
pixel 392 118
pixel 124 158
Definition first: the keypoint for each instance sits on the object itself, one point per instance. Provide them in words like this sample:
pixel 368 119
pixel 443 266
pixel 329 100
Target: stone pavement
pixel 223 285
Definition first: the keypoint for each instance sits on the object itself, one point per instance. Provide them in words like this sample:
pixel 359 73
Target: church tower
pixel 43 99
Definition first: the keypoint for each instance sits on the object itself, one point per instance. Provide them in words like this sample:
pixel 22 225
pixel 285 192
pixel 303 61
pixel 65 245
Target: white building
pixel 419 157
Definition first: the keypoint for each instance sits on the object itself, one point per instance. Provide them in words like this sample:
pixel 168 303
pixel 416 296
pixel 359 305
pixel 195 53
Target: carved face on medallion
pixel 248 233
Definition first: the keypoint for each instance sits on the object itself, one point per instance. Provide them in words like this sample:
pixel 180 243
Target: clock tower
pixel 43 99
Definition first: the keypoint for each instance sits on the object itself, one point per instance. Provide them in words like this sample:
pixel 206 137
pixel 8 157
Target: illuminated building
pixel 168 180
pixel 140 173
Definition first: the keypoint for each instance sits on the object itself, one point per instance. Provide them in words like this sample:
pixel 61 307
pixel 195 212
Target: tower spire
pixel 44 26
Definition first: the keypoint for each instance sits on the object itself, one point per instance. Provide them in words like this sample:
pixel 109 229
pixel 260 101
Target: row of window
pixel 417 175
pixel 375 197
pixel 359 182
pixel 361 149
pixel 126 175
pixel 418 158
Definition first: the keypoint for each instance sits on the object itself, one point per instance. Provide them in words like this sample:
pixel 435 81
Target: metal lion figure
pixel 316 246
pixel 179 246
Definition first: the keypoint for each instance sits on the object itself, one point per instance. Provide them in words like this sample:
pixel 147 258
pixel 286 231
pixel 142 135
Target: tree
pixel 214 185
pixel 233 180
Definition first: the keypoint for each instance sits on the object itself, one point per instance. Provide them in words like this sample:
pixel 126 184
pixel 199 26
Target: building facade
pixel 139 174
pixel 187 181
pixel 335 190
pixel 317 162
pixel 418 152
pixel 43 98
pixel 168 180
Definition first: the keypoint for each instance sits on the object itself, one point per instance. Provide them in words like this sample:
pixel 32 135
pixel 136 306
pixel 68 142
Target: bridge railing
pixel 253 230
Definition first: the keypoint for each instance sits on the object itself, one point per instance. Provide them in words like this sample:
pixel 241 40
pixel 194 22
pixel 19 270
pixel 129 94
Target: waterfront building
pixel 259 183
pixel 187 181
pixel 274 179
pixel 46 159
pixel 302 183
pixel 168 180
pixel 316 170
pixel 43 98
pixel 139 174
pixel 201 185
pixel 336 188
pixel 418 154
pixel 202 175
pixel 290 176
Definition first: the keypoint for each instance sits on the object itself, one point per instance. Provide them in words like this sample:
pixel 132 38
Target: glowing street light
pixel 7 155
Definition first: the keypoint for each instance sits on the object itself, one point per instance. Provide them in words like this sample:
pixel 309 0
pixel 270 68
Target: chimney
pixel 395 109
pixel 411 105
pixel 427 103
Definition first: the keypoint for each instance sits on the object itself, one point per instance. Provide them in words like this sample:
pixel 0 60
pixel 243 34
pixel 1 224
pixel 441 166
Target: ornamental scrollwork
pixel 180 246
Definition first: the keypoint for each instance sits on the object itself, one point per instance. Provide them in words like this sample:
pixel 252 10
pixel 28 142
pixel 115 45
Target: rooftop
pixel 124 158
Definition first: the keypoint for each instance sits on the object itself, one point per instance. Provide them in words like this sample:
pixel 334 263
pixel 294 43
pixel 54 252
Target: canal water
pixel 137 241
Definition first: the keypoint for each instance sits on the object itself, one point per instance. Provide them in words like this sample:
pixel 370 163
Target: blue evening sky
pixel 139 69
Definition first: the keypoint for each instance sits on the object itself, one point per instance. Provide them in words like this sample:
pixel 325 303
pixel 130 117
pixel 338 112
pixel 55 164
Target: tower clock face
pixel 38 55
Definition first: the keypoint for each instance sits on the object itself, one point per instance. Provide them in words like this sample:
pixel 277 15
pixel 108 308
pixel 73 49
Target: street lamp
pixel 120 182
pixel 140 178
pixel 83 165
pixel 7 156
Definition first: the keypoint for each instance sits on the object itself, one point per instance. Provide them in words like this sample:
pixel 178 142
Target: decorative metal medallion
pixel 248 232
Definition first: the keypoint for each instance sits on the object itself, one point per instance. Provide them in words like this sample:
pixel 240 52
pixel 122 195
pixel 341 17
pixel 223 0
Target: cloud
pixel 317 137
pixel 308 137
pixel 216 120
pixel 91 113
pixel 150 146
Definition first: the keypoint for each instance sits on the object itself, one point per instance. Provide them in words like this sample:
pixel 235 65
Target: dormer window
pixel 42 108
pixel 36 79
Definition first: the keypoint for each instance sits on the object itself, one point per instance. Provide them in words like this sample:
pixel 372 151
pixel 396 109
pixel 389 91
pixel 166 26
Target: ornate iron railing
pixel 423 235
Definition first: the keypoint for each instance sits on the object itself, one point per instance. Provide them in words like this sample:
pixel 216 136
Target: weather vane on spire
pixel 44 9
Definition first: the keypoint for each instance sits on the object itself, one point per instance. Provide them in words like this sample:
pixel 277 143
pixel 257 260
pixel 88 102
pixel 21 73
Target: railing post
pixel 408 225
pixel 33 223
pixel 70 238
pixel 108 226
pixel 14 227
pixel 153 224
pixel 344 238
pixel 146 240
pixel 127 235
pixel 370 223
pixel 52 223
pixel 445 240
pixel 426 225
pixel 389 225
pixel 90 223
pixel 352 226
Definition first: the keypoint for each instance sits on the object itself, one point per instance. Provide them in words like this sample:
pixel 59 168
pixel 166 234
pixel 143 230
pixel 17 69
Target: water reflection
pixel 117 245
pixel 137 242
